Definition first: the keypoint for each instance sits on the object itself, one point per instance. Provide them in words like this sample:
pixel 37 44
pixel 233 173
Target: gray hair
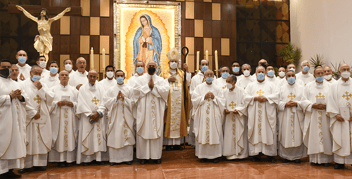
pixel 151 61
pixel 34 67
pixel 208 71
pixel 233 77
pixel 256 69
pixel 246 64
pixel 303 62
pixel 81 58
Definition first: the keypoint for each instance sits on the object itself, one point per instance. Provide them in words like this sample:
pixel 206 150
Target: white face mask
pixel 246 73
pixel 229 85
pixel 42 64
pixel 346 74
pixel 282 74
pixel 110 74
pixel 68 67
pixel 327 77
pixel 173 65
pixel 294 70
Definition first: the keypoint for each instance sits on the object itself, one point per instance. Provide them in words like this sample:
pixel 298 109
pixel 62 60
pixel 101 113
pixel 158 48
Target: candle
pixel 116 61
pixel 103 52
pixel 91 58
pixel 216 63
pixel 198 54
pixel 206 55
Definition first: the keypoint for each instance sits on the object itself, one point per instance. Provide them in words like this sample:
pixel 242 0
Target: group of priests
pixel 70 117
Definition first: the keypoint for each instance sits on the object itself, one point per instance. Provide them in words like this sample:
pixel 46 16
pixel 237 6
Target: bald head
pixel 64 77
pixel 92 77
pixel 151 63
pixel 209 73
pixel 81 64
pixel 344 67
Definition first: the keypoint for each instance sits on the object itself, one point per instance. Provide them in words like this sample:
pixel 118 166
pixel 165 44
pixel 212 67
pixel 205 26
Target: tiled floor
pixel 183 164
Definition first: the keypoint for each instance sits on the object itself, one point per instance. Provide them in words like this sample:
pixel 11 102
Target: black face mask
pixel 151 70
pixel 5 73
pixel 263 64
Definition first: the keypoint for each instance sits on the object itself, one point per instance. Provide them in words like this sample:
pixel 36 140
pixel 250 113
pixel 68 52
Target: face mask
pixel 110 74
pixel 5 72
pixel 291 80
pixel 327 77
pixel 119 80
pixel 305 69
pixel 209 79
pixel 263 64
pixel 151 70
pixel 42 64
pixel 173 65
pixel 140 70
pixel 53 70
pixel 281 74
pixel 22 60
pixel 292 69
pixel 345 74
pixel 271 73
pixel 236 69
pixel 35 78
pixel 204 69
pixel 246 73
pixel 225 75
pixel 260 76
pixel 320 79
pixel 229 85
pixel 68 67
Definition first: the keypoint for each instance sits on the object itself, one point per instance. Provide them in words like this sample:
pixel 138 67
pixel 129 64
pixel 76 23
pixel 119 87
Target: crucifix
pixel 95 100
pixel 291 96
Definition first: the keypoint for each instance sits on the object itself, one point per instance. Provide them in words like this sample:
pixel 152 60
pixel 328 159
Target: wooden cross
pixel 37 99
pixel 260 92
pixel 95 100
pixel 320 96
pixel 291 96
pixel 232 105
pixel 347 96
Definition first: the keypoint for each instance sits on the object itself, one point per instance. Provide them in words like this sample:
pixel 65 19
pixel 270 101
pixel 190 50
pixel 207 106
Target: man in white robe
pixel 261 98
pixel 316 134
pixel 64 122
pixel 339 109
pixel 304 75
pixel 39 133
pixel 41 62
pixel 23 68
pixel 13 112
pixel 328 75
pixel 69 66
pixel 291 120
pixel 53 78
pixel 79 78
pixel 235 129
pixel 153 92
pixel 92 135
pixel 224 73
pixel 109 81
pixel 15 72
pixel 262 62
pixel 282 74
pixel 139 72
pixel 236 70
pixel 208 106
pixel 270 76
pixel 246 79
pixel 118 103
pixel 291 67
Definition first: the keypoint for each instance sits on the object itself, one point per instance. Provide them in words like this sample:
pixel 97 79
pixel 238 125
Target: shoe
pixel 313 164
pixel 285 161
pixel 339 166
pixel 61 164
pixel 168 148
pixel 272 159
pixel 85 164
pixel 158 161
pixel 298 161
pixel 177 147
pixel 256 159
pixel 326 164
pixel 40 168
pixel 10 174
pixel 203 160
pixel 143 161
pixel 129 163
pixel 112 164
pixel 216 161
pixel 22 171
pixel 69 164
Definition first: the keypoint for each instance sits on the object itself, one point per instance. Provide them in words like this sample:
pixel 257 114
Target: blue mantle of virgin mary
pixel 157 43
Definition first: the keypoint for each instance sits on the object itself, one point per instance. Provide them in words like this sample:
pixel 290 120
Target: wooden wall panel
pixel 208 11
pixel 95 43
pixel 198 10
pixel 105 26
pixel 74 44
pixel 207 24
pixel 216 29
pixel 75 25
pixel 65 44
pixel 56 44
pixel 188 30
pixel 94 8
pixel 85 25
pixel 226 29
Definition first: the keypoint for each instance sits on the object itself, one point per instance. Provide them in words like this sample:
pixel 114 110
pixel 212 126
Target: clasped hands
pixel 228 112
pixel 16 94
pixel 319 106
pixel 341 119
pixel 261 99
pixel 120 96
pixel 95 116
pixel 291 104
pixel 65 103
pixel 209 95
pixel 151 83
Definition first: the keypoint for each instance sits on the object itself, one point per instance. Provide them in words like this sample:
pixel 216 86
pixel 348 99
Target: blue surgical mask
pixel 22 59
pixel 271 73
pixel 225 75
pixel 204 68
pixel 35 78
pixel 291 80
pixel 305 69
pixel 209 79
pixel 320 79
pixel 260 76
pixel 53 70
pixel 119 80
pixel 235 69
pixel 140 70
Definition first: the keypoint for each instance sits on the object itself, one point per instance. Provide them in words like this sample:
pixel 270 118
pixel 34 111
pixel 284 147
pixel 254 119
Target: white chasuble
pixel 316 133
pixel 220 82
pixel 243 82
pixel 306 78
pixel 25 71
pixel 64 124
pixel 339 102
pixel 261 118
pixel 51 81
pixel 291 123
pixel 107 84
pixel 78 78
pixel 235 128
pixel 91 137
pixel 207 115
pixel 151 104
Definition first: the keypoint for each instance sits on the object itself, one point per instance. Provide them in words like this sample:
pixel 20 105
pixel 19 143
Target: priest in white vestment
pixel 328 75
pixel 39 133
pixel 23 68
pixel 291 120
pixel 316 134
pixel 224 73
pixel 208 106
pixel 304 75
pixel 64 122
pixel 79 78
pixel 53 78
pixel 246 79
pixel 41 62
pixel 282 74
pixel 69 66
pixel 109 81
pixel 92 135
pixel 118 102
pixel 261 98
pixel 151 97
pixel 339 109
pixel 14 73
pixel 291 67
pixel 235 129
pixel 13 111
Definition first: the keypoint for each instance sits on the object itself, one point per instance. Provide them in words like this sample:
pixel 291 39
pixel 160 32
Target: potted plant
pixel 291 54
pixel 317 60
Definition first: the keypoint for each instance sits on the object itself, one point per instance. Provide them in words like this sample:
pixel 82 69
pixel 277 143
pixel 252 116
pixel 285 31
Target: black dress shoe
pixel 256 159
pixel 285 161
pixel 158 161
pixel 112 164
pixel 168 148
pixel 129 163
pixel 203 160
pixel 10 174
pixel 143 161
pixel 40 168
pixel 22 171
pixel 177 147
pixel 272 159
pixel 61 164
pixel 313 164
pixel 69 164
pixel 298 161
pixel 339 166
pixel 215 160
pixel 326 164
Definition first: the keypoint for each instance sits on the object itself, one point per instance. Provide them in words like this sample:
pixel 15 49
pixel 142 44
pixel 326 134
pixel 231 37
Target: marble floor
pixel 183 164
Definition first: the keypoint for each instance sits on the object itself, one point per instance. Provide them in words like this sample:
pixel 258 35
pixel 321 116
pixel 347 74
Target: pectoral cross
pixel 320 96
pixel 232 105
pixel 347 95
pixel 95 100
pixel 260 92
pixel 291 96
pixel 37 99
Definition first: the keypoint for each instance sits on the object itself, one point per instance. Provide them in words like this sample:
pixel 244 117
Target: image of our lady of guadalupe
pixel 147 43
